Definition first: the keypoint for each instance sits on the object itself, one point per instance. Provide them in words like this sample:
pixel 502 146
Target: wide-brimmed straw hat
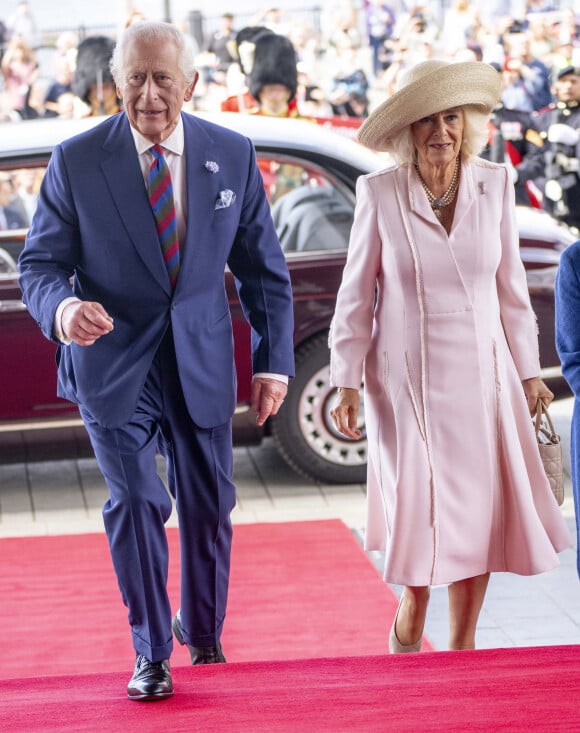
pixel 427 88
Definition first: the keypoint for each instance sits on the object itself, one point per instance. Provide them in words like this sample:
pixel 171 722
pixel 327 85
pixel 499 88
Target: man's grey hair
pixel 150 30
pixel 475 136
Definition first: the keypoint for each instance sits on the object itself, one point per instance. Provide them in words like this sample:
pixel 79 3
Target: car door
pixel 27 365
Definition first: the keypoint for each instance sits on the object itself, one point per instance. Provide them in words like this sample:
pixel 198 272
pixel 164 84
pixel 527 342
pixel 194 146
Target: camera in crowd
pixel 518 26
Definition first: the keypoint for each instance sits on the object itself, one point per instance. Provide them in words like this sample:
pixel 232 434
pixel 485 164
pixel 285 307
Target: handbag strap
pixel 547 428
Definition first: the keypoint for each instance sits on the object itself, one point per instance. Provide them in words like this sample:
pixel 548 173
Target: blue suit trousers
pixel 199 475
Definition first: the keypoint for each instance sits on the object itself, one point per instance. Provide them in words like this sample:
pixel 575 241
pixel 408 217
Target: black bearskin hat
pixel 274 60
pixel 93 58
pixel 245 46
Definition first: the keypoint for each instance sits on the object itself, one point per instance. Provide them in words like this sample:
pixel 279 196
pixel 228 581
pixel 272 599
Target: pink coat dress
pixel 441 330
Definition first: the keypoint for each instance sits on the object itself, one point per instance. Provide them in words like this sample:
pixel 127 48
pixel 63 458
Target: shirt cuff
pixel 267 375
pixel 57 326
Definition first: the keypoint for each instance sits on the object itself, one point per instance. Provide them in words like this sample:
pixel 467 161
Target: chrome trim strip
pixel 551 372
pixel 11 306
pixel 54 424
pixel 69 422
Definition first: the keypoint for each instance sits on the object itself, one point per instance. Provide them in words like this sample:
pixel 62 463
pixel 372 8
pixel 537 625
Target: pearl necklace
pixel 438 203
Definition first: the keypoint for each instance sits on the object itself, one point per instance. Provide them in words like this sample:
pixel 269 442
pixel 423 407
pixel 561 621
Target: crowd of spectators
pixel 349 62
pixel 358 50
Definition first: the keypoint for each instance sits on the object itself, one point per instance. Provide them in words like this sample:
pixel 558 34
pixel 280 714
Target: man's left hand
pixel 267 397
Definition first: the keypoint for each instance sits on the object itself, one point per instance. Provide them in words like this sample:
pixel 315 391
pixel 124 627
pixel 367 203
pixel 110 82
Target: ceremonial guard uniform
pixel 514 135
pixel 559 126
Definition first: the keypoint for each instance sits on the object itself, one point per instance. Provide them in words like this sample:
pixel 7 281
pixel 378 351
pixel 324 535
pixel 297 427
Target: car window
pixel 7 263
pixel 311 210
pixel 22 186
pixel 19 189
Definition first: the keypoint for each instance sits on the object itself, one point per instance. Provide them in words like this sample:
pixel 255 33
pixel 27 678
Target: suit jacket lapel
pixel 120 166
pixel 417 198
pixel 201 187
pixel 466 195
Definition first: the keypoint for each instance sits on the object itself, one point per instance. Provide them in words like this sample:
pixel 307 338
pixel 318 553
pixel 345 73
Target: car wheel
pixel 303 431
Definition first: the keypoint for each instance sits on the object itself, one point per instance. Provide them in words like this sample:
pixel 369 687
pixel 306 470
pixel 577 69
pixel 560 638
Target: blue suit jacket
pixel 567 294
pixel 94 224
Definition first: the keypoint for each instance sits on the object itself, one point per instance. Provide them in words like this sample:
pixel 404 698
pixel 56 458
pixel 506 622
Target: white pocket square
pixel 225 199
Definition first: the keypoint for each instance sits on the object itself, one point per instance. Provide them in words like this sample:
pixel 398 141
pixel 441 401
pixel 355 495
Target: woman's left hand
pixel 535 390
pixel 346 411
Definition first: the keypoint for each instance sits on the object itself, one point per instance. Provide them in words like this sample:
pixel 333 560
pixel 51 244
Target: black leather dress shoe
pixel 150 680
pixel 207 654
pixel 199 654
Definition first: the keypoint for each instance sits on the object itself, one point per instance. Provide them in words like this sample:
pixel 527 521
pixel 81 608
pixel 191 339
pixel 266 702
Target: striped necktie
pixel 160 191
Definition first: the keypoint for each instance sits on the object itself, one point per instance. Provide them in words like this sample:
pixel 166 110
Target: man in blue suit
pixel 151 364
pixel 567 295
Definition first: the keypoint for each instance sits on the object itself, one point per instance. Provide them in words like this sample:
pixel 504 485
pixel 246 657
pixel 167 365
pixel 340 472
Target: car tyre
pixel 303 431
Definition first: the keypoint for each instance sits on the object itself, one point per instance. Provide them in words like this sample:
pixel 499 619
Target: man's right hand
pixel 83 322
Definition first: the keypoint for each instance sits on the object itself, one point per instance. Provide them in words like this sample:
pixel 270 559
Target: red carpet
pixel 298 590
pixel 512 690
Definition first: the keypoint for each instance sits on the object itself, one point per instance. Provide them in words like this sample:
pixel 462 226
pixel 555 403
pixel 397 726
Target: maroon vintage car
pixel 309 174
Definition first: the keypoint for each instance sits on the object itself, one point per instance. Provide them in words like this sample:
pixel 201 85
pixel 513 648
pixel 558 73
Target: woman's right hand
pixel 345 412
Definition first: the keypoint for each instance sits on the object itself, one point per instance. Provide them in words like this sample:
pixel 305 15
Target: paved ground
pixel 66 497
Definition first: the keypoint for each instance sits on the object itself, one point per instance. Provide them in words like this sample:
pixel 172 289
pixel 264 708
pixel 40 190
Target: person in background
pixel 269 64
pixel 559 127
pixel 456 488
pixel 67 47
pixel 123 268
pixel 515 140
pixel 460 25
pixel 418 30
pixel 93 82
pixel 20 72
pixel 25 193
pixel 273 78
pixel 542 44
pixel 379 24
pixel 310 97
pixel 67 106
pixel 275 19
pixel 273 83
pixel 348 93
pixel 217 51
pixel 244 51
pixel 564 55
pixel 514 93
pixel 535 74
pixel 21 24
pixel 61 84
pixel 11 215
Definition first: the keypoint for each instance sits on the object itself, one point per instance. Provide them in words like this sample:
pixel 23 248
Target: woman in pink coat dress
pixel 433 315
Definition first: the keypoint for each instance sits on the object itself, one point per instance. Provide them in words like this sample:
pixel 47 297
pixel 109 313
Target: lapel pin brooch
pixel 212 166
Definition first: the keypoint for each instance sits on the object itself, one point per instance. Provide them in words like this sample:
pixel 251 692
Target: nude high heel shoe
pixel 395 646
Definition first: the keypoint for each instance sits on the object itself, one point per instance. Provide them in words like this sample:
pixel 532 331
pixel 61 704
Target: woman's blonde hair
pixel 475 136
